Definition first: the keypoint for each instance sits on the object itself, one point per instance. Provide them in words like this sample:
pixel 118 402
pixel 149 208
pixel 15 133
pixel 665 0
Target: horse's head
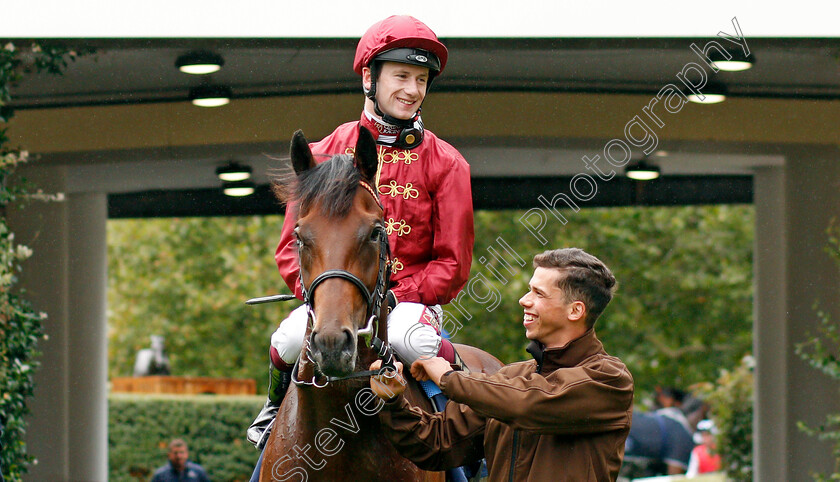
pixel 342 245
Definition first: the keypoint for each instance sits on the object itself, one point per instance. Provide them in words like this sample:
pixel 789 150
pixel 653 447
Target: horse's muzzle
pixel 334 352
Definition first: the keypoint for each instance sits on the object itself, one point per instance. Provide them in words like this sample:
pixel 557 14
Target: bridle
pixel 373 300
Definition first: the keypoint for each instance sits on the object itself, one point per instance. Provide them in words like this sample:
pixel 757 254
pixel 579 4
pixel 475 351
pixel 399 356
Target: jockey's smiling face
pixel 400 88
pixel 548 317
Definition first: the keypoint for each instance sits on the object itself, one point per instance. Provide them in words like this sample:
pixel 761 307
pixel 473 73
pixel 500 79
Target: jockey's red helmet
pixel 401 38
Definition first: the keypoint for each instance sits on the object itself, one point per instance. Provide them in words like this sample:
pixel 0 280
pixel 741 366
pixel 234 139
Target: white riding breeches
pixel 413 332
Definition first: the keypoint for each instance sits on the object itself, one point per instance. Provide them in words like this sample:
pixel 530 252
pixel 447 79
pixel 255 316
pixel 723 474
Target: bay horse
pixel 327 428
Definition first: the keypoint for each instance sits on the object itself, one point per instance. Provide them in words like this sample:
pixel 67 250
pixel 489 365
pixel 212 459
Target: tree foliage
pixel 187 279
pixel 683 309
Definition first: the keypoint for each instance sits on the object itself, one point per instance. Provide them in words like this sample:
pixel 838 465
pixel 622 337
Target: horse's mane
pixel 331 184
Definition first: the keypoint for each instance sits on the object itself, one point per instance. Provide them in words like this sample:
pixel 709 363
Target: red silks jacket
pixel 427 199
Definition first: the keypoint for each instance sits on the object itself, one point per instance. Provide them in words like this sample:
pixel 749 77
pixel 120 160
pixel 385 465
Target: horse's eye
pixel 298 239
pixel 376 234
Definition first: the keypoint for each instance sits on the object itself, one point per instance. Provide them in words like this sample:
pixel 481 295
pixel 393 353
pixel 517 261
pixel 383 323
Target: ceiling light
pixel 199 63
pixel 233 171
pixel 238 188
pixel 735 61
pixel 210 95
pixel 712 93
pixel 642 171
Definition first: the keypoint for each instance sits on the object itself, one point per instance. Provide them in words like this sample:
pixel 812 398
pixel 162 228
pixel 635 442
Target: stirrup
pixel 260 445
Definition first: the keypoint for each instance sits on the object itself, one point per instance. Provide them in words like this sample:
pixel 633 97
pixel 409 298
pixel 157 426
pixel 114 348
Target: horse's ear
pixel 302 159
pixel 366 157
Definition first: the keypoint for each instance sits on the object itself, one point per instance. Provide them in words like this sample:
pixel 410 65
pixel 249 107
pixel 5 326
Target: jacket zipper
pixel 513 454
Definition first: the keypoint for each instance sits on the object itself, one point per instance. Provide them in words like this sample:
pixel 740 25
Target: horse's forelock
pixel 331 186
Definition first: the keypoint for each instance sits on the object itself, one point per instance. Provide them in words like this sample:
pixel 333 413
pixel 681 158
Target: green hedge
pixel 141 426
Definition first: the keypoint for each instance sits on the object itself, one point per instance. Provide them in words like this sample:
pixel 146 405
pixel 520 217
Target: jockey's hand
pixel 430 369
pixel 389 384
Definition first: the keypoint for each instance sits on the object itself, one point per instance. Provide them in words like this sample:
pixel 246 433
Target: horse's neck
pixel 343 414
pixel 338 406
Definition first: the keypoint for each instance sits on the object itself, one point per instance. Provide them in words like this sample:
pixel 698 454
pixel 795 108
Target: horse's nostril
pixel 319 342
pixel 333 342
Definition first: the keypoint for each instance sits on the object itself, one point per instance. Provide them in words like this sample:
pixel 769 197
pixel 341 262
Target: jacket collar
pixel 569 355
pixel 403 137
pixel 375 127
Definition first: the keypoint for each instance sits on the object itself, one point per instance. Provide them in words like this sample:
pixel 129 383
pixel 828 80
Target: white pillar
pixel 88 343
pixel 43 227
pixel 794 206
pixel 812 193
pixel 770 341
pixel 66 278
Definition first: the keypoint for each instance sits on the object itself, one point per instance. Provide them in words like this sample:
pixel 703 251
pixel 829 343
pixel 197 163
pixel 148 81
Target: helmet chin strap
pixel 393 120
pixel 402 136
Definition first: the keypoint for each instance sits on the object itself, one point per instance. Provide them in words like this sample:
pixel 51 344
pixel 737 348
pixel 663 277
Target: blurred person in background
pixel 179 468
pixel 704 458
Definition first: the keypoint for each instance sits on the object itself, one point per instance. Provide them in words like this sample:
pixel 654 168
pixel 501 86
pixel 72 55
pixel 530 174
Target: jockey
pixel 424 186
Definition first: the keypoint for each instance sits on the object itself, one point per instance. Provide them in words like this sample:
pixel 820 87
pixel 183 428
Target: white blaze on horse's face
pixel 340 309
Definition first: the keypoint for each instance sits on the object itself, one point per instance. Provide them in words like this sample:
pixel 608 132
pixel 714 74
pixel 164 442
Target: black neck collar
pixel 405 134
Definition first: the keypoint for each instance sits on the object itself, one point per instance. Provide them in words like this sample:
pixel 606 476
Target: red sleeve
pixel 452 217
pixel 286 255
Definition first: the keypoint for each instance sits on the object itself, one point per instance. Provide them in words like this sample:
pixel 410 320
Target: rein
pixel 383 351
